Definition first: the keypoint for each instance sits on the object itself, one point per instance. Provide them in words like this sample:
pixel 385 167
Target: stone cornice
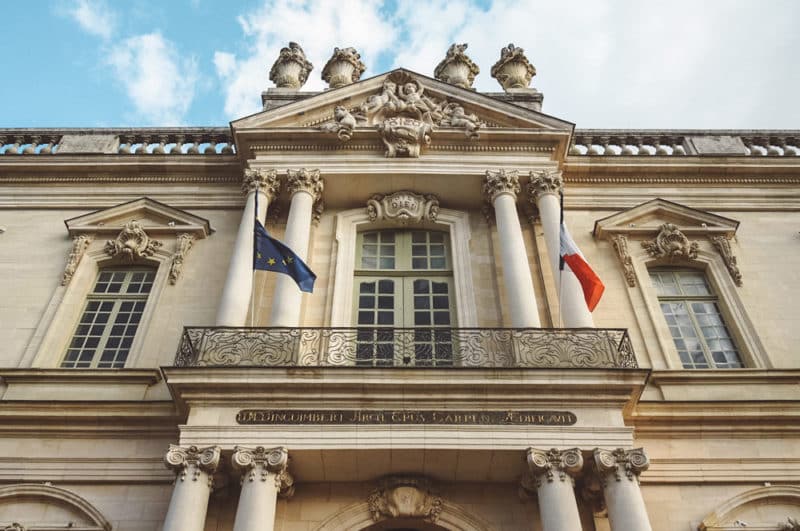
pixel 80 376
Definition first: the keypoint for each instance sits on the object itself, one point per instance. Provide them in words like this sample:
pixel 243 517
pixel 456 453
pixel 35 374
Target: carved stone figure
pixel 792 525
pixel 404 136
pixel 456 116
pixel 671 243
pixel 404 497
pixel 79 245
pixel 344 67
pixel 457 68
pixel 132 243
pixel 291 69
pixel 513 70
pixel 15 526
pixel 343 125
pixel 403 207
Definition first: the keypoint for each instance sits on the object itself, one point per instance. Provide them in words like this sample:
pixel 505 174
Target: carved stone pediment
pixel 404 497
pixel 403 208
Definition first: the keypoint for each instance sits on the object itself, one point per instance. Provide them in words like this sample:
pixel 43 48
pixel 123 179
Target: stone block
pixel 108 144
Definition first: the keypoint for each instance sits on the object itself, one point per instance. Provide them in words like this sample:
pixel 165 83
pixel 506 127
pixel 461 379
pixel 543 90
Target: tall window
pixel 695 322
pixel 404 279
pixel 110 318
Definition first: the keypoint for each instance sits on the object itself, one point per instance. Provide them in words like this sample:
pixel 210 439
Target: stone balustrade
pixel 129 141
pixel 679 143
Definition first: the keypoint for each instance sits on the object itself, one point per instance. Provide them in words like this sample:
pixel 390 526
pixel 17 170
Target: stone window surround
pixel 350 222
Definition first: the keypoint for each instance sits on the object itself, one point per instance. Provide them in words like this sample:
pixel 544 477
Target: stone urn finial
pixel 291 69
pixel 344 67
pixel 513 70
pixel 457 68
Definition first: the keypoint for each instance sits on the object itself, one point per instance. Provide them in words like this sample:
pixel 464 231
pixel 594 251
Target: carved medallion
pixel 404 497
pixel 403 208
pixel 403 137
pixel 671 243
pixel 132 243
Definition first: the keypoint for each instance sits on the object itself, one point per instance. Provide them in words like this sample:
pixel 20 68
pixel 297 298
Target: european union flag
pixel 271 255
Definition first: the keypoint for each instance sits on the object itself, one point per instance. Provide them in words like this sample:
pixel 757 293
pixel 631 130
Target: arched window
pixel 695 321
pixel 110 318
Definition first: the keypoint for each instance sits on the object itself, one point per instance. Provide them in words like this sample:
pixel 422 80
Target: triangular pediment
pixel 153 216
pixel 647 218
pixel 318 109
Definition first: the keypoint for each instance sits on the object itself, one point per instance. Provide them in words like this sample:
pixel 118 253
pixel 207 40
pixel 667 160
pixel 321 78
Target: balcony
pixel 558 348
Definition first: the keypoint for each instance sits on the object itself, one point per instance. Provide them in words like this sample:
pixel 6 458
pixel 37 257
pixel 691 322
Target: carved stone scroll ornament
pixel 15 526
pixel 620 463
pixel 723 245
pixel 191 461
pixel 457 68
pixel 291 69
pixel 259 463
pixel 344 67
pixel 404 136
pixel 500 182
pixel 404 497
pixel 620 243
pixel 79 245
pixel 513 70
pixel 403 208
pixel 553 464
pixel 671 243
pixel 132 243
pixel 791 525
pixel 183 245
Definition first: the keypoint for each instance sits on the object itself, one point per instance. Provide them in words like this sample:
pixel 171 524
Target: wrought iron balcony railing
pixel 406 347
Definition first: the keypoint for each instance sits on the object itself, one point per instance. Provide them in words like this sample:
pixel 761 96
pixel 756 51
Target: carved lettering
pixel 381 416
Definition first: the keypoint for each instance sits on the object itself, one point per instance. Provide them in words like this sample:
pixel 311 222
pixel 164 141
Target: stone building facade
pixel 445 373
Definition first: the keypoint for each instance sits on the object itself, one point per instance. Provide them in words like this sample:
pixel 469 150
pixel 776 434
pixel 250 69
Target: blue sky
pixel 622 63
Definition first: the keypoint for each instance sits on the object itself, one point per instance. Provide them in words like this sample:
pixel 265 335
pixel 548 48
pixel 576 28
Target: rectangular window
pixel 694 319
pixel 110 318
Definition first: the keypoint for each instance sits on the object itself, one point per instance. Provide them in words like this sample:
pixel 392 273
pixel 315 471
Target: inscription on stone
pixel 88 144
pixel 403 416
pixel 715 145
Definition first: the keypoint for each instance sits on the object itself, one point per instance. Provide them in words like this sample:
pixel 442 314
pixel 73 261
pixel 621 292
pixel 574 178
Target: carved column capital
pixel 620 462
pixel 258 464
pixel 265 180
pixel 543 182
pixel 191 461
pixel 304 180
pixel 500 182
pixel 554 464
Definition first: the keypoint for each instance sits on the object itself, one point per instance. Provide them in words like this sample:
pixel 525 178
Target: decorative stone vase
pixel 457 68
pixel 344 67
pixel 513 70
pixel 291 69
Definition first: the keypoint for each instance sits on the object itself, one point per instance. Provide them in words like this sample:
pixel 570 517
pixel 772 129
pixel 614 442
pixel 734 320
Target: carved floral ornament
pixel 404 116
pixel 403 208
pixel 404 497
pixel 132 243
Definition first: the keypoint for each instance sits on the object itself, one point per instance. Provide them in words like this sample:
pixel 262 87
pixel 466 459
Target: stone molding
pixel 184 242
pixel 304 180
pixel 132 244
pixel 79 245
pixel 545 182
pixel 57 496
pixel 291 68
pixel 620 244
pixel 724 516
pixel 457 68
pixel 672 244
pixel 513 70
pixel 723 245
pixel 344 67
pixel 404 497
pixel 403 207
pixel 266 181
pixel 260 463
pixel 497 182
pixel 619 463
pixel 554 463
pixel 192 461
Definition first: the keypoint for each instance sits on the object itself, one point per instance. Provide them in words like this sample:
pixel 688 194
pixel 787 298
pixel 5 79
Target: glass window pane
pixel 386 286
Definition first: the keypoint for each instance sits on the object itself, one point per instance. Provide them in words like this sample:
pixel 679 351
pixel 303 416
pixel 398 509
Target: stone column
pixel 264 477
pixel 305 188
pixel 501 188
pixel 543 190
pixel 619 475
pixel 235 301
pixel 553 471
pixel 194 468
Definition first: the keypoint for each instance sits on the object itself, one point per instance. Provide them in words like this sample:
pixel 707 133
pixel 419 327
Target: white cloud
pixel 225 63
pixel 159 82
pixel 95 17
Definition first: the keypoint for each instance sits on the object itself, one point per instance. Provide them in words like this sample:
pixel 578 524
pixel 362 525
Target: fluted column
pixel 265 475
pixel 305 188
pixel 194 468
pixel 238 289
pixel 543 190
pixel 501 188
pixel 553 471
pixel 619 475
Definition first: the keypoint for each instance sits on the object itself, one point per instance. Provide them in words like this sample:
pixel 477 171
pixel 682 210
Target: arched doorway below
pixel 404 524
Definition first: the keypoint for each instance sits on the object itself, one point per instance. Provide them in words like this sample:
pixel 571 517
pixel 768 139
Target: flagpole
pixel 560 257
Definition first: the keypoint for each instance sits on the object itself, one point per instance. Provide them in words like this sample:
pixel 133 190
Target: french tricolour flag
pixel 571 256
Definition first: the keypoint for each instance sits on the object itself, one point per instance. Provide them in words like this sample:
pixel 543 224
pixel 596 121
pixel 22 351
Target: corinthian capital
pixel 304 180
pixel 262 463
pixel 544 182
pixel 621 462
pixel 191 461
pixel 551 464
pixel 266 181
pixel 500 182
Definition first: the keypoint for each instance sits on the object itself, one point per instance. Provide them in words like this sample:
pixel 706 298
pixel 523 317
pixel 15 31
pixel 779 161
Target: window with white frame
pixel 693 315
pixel 404 279
pixel 110 318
